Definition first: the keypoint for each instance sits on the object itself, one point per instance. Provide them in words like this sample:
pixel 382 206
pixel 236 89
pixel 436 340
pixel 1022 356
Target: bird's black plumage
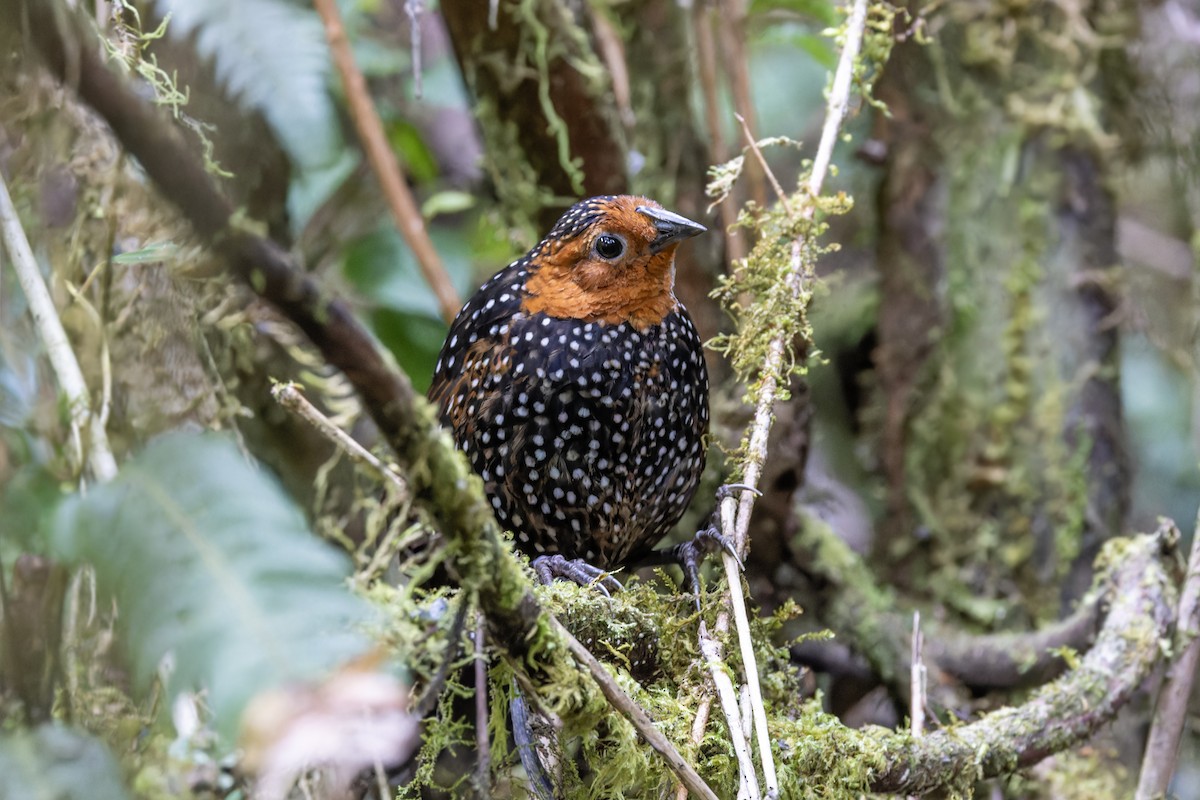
pixel 584 410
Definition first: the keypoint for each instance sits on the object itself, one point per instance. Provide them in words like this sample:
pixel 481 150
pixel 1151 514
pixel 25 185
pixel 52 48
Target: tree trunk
pixel 1001 436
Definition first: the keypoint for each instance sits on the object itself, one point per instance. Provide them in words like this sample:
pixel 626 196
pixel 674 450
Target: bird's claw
pixel 548 568
pixel 726 490
pixel 689 554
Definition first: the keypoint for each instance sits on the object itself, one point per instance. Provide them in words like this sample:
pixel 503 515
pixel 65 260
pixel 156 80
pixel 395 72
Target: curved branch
pixel 1011 660
pixel 874 622
pixel 1140 614
pixel 440 475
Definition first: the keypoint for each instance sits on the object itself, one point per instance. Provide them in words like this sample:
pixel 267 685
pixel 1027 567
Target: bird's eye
pixel 609 246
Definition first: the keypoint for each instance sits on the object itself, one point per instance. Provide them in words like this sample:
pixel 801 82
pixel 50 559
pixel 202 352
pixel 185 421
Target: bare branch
pixel 731 38
pixel 1162 746
pixel 706 59
pixel 917 679
pixel 94 448
pixel 727 695
pixel 383 161
pixel 289 396
pixel 622 702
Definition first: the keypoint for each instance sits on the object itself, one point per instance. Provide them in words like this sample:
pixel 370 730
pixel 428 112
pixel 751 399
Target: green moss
pixel 769 292
pixel 995 479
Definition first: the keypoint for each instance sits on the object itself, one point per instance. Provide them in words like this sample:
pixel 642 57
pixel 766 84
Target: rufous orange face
pixel 611 272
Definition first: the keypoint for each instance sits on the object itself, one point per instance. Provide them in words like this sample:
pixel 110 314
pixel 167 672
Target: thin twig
pixel 88 429
pixel 698 726
pixel 706 59
pixel 731 36
pixel 917 679
pixel 483 747
pixel 916 672
pixel 414 9
pixel 735 516
pixel 623 703
pixel 1162 746
pixel 289 396
pixel 746 645
pixel 710 648
pixel 758 154
pixel 384 164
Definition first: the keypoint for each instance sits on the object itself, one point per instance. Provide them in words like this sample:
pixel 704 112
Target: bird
pixel 575 383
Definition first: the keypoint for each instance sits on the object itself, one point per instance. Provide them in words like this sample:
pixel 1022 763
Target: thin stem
pixel 746 645
pixel 706 59
pixel 623 703
pixel 384 164
pixel 916 677
pixel 483 747
pixel 735 515
pixel 839 97
pixel 94 447
pixel 415 9
pixel 710 648
pixel 758 154
pixel 698 726
pixel 732 39
pixel 289 396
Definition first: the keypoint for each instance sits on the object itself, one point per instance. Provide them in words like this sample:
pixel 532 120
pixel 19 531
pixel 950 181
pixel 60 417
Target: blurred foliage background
pixel 167 343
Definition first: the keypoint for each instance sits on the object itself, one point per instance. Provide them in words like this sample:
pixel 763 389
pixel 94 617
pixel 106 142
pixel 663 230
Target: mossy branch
pixel 478 555
pixel 873 621
pixel 440 476
pixel 1141 611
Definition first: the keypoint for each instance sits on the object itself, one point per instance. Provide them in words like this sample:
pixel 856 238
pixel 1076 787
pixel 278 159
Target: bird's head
pixel 609 259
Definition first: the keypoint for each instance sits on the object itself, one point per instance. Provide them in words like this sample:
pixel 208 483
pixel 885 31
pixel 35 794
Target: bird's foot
pixel 690 554
pixel 548 568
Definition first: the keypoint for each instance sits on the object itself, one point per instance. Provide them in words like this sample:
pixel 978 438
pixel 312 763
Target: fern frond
pixel 213 565
pixel 272 56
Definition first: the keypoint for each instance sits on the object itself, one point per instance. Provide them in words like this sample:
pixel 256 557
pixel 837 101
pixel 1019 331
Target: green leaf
pixel 415 340
pixel 380 266
pixel 820 10
pixel 211 563
pixel 450 201
pixel 419 161
pixel 58 763
pixel 272 56
pixel 27 503
pixel 150 254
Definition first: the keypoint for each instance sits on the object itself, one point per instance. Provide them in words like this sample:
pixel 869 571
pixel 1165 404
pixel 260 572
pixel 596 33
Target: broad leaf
pixel 212 563
pixel 272 55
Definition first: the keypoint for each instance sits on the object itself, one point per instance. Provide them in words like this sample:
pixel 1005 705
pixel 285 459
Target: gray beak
pixel 671 227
